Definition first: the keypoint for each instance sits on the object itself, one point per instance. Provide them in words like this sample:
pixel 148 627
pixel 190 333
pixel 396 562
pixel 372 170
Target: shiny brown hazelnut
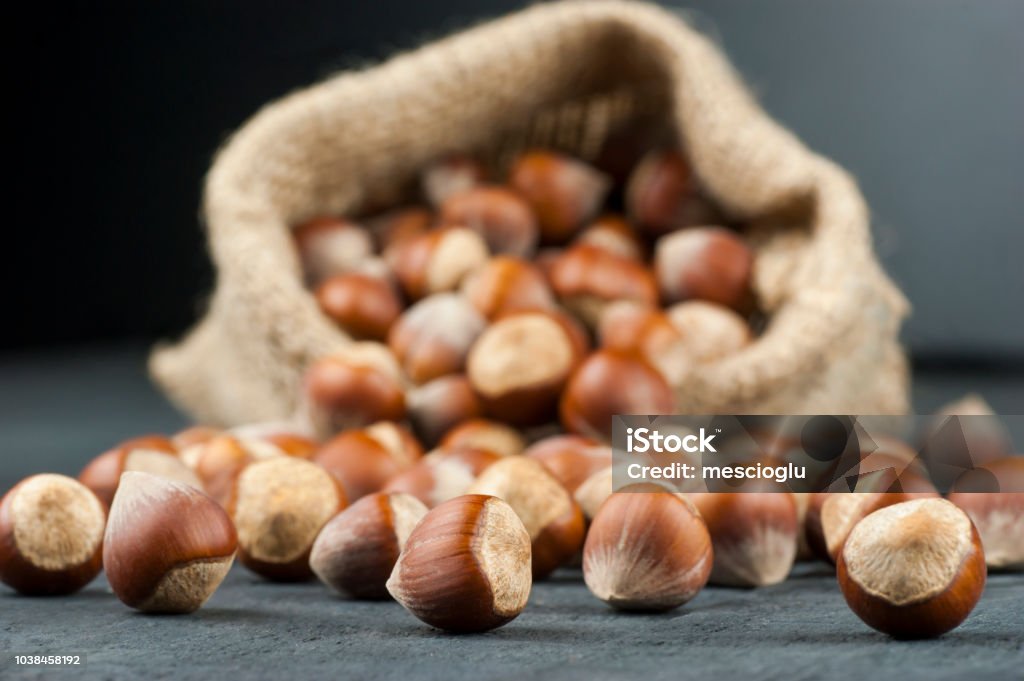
pixel 365 307
pixel 647 550
pixel 433 337
pixel 506 284
pixel 51 535
pixel 167 546
pixel 493 436
pixel 279 507
pixel 466 566
pixel 357 549
pixel 754 535
pixel 499 215
pixel 329 246
pixel 705 263
pixel 551 516
pixel 149 454
pixel 564 193
pixel 450 175
pixel 441 404
pixel 520 364
pixel 364 460
pixel 609 383
pixel 587 278
pixel 436 261
pixel 442 474
pixel 913 570
pixel 355 386
pixel 709 331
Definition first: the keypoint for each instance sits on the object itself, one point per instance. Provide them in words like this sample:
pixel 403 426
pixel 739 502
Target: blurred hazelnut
pixel 329 246
pixel 495 437
pixel 572 459
pixel 506 284
pixel 436 261
pixel 353 387
pixel 594 491
pixel 396 226
pixel 433 337
pixel 709 331
pixel 365 307
pixel 999 516
pixel 587 278
pixel 630 328
pixel 613 234
pixel 564 193
pixel 705 263
pixel 450 175
pixel 441 404
pixel 610 383
pixel 442 474
pixel 519 366
pixel 193 436
pixel 500 216
pixel 662 194
pixel 148 454
pixel 364 460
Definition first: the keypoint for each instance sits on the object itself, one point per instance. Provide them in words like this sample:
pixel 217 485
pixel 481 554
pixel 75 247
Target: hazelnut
pixel 364 306
pixel 913 570
pixel 433 337
pixel 357 550
pixel 396 226
pixel 709 331
pixel 520 364
pixel 999 516
pixel 587 278
pixel 630 328
pixel 613 234
pixel 436 261
pixel 506 284
pixel 572 459
pixel 500 216
pixel 610 383
pixel 364 460
pixel 293 445
pixel 353 387
pixel 551 517
pixel 564 193
pixel 959 443
pixel 705 263
pixel 483 434
pixel 841 512
pixel 453 174
pixel 647 550
pixel 754 535
pixel 442 474
pixel 279 506
pixel 438 406
pixel 218 463
pixel 193 436
pixel 466 566
pixel 662 194
pixel 51 535
pixel 594 491
pixel 167 546
pixel 329 246
pixel 147 454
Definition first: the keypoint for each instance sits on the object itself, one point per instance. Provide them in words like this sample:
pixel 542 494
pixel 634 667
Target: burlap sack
pixel 564 75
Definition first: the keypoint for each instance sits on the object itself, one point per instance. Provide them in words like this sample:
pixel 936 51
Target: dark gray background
pixel 120 105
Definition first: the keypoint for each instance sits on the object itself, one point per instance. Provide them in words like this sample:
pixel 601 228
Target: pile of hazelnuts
pixel 459 449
